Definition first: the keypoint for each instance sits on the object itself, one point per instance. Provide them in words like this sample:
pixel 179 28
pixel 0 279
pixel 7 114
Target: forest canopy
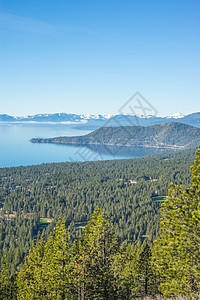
pixel 110 216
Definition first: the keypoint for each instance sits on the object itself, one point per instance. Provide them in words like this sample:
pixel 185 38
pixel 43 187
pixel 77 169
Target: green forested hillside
pixel 169 135
pixel 128 190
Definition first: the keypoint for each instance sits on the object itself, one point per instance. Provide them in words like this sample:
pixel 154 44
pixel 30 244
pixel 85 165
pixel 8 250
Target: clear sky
pixel 90 56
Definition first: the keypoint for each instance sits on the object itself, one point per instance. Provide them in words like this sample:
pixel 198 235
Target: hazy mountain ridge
pixel 98 120
pixel 56 117
pixel 167 136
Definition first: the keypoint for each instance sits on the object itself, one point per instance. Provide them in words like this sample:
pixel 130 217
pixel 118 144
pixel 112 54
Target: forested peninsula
pixel 165 136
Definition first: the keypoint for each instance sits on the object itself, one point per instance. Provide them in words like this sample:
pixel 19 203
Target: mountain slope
pixel 54 118
pixel 169 135
pixel 96 121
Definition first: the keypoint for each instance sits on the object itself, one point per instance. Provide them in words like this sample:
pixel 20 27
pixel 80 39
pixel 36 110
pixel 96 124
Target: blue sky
pixel 91 56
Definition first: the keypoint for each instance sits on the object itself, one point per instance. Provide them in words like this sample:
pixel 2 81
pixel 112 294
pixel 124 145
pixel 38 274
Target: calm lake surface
pixel 16 150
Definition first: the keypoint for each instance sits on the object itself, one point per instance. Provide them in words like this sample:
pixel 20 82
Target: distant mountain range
pixel 54 118
pixel 100 120
pixel 166 136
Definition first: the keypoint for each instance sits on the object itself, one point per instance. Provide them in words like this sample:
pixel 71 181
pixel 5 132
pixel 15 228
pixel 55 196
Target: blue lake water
pixel 17 150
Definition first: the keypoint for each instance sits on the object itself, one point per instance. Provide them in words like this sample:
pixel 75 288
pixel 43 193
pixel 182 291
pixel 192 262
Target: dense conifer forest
pixel 100 229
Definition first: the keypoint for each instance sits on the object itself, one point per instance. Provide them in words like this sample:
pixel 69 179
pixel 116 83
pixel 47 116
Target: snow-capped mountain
pixel 176 116
pixel 54 118
pixel 96 117
pixel 93 121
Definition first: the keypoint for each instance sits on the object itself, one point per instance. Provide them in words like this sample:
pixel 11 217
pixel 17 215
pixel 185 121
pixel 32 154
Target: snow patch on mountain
pixel 176 116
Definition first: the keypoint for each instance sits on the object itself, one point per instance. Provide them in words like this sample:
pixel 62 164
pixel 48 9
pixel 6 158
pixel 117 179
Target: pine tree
pixel 176 253
pixel 49 270
pixel 58 264
pixel 98 250
pixel 134 271
pixel 7 284
pixel 30 279
pixel 79 268
pixel 146 279
pixel 125 271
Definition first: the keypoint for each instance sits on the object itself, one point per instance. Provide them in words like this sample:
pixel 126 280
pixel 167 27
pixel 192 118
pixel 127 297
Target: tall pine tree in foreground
pixel 98 253
pixel 7 283
pixel 145 278
pixel 30 281
pixel 48 272
pixel 176 254
pixel 58 264
pixel 134 272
